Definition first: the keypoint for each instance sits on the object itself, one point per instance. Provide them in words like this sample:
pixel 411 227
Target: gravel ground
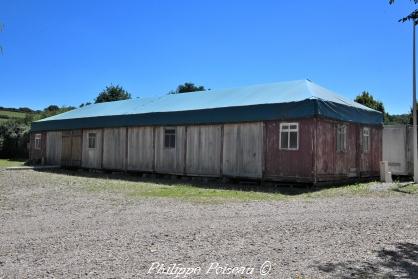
pixel 52 227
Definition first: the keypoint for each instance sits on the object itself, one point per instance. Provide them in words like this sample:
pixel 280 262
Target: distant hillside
pixel 7 115
pixel 28 115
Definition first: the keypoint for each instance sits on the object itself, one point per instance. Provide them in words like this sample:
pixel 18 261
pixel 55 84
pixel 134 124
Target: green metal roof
pixel 283 100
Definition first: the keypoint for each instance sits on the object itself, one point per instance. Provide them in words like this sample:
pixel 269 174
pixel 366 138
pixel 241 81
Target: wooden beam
pixel 264 152
pixel 126 150
pixel 315 150
pixel 185 151
pixel 154 149
pixel 222 151
pixel 102 149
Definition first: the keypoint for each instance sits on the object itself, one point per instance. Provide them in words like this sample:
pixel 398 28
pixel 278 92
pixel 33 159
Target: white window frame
pixel 38 141
pixel 341 134
pixel 89 135
pixel 285 127
pixel 365 148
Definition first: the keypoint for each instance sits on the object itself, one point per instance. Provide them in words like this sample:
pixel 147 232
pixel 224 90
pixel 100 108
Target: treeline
pixel 14 129
pixel 14 132
pixel 23 110
pixel 398 118
pixel 366 99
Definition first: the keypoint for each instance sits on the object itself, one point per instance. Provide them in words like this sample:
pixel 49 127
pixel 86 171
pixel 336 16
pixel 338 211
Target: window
pixel 170 138
pixel 365 139
pixel 341 138
pixel 38 138
pixel 92 140
pixel 289 136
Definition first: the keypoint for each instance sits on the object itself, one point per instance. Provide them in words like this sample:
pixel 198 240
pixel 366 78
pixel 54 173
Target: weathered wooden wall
pixel 329 162
pixel 170 160
pixel 92 157
pixel 53 147
pixel 114 148
pixel 346 162
pixel 245 150
pixel 141 148
pixel 333 165
pixel 204 148
pixel 370 161
pixel 36 155
pixel 242 150
pixel 71 148
pixel 289 165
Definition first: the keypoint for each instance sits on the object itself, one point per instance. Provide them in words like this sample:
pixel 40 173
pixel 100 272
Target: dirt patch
pixel 52 227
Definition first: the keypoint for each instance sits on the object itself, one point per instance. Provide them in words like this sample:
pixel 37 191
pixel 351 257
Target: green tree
pixel 52 108
pixel 365 98
pixel 84 104
pixel 188 87
pixel 112 93
pixel 413 15
pixel 49 111
pixel 14 132
pixel 398 118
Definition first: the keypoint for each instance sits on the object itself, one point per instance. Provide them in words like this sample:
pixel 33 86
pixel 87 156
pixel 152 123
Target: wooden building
pixel 288 131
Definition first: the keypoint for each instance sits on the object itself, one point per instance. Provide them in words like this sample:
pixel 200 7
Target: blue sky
pixel 66 52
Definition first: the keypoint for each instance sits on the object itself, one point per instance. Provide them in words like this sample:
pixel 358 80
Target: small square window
pixel 92 140
pixel 170 138
pixel 341 138
pixel 365 140
pixel 289 136
pixel 38 139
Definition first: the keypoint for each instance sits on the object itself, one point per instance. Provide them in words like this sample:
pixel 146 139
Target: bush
pixel 14 136
pixel 14 132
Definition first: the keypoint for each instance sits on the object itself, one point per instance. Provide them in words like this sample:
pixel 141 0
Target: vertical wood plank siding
pixel 114 144
pixel 246 150
pixel 53 148
pixel 376 150
pixel 333 165
pixel 36 155
pixel 290 164
pixel 369 161
pixel 203 156
pixel 170 160
pixel 71 148
pixel 345 162
pixel 92 157
pixel 330 162
pixel 140 148
pixel 66 148
pixel 242 148
pixel 76 148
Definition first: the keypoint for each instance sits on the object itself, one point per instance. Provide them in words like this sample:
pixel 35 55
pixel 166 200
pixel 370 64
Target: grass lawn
pixel 195 193
pixel 202 193
pixel 12 114
pixel 5 163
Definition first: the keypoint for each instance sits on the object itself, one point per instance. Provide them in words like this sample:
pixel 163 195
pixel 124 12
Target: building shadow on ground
pixel 291 189
pixel 399 262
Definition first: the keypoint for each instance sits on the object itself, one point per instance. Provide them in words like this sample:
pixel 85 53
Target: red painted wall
pixel 370 161
pixel 333 165
pixel 317 158
pixel 329 162
pixel 289 164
